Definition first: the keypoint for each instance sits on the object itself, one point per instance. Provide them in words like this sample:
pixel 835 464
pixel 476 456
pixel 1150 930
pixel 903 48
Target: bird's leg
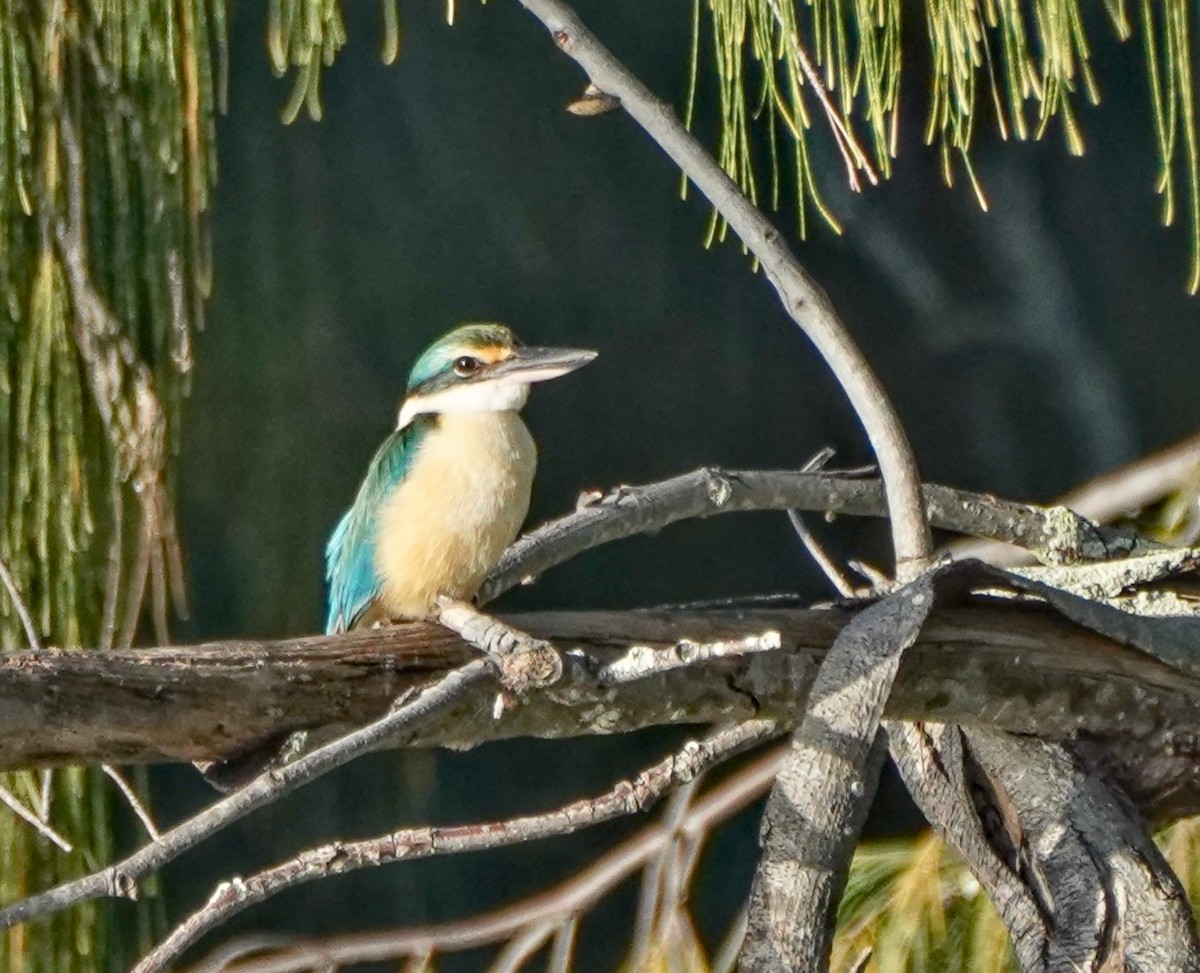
pixel 523 662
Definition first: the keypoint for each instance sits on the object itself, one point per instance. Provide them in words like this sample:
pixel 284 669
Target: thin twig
pixel 852 153
pixel 45 783
pixel 563 948
pixel 641 661
pixel 9 800
pixel 726 957
pixel 131 796
pixel 627 797
pixel 20 607
pixel 521 947
pixel 570 898
pixel 120 880
pixel 832 572
pixel 654 880
pixel 802 298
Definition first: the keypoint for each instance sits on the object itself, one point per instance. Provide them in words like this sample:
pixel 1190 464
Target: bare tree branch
pixel 931 759
pixel 627 797
pixel 1070 869
pixel 1055 535
pixel 802 298
pixel 841 584
pixel 139 809
pixel 11 801
pixel 208 702
pixel 1112 495
pixel 570 898
pixel 120 880
pixel 19 606
pixel 1105 894
pixel 523 663
pixel 820 800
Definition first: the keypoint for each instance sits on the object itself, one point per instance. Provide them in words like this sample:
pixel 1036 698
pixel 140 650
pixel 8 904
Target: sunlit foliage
pixel 106 161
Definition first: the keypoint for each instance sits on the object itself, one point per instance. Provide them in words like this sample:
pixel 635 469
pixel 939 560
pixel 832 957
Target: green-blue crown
pixel 468 339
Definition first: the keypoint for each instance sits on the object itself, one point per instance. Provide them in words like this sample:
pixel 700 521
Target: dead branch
pixel 523 663
pixel 120 880
pixel 209 701
pixel 627 797
pixel 558 905
pixel 1106 895
pixel 1112 495
pixel 1070 869
pixel 825 787
pixel 1054 535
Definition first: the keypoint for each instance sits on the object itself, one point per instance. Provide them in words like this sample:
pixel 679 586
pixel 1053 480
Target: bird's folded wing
pixel 350 554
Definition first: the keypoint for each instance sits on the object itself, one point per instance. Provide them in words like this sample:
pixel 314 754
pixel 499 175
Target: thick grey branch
pixel 1054 534
pixel 820 800
pixel 931 759
pixel 1068 865
pixel 1106 896
pixel 1020 667
pixel 121 878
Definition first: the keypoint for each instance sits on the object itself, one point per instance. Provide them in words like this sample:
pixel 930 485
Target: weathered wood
pixel 1107 898
pixel 1018 667
pixel 1053 534
pixel 824 789
pixel 1063 857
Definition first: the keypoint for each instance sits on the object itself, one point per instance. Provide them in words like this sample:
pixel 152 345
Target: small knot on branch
pixel 718 486
pixel 593 101
pixel 522 662
pixel 122 885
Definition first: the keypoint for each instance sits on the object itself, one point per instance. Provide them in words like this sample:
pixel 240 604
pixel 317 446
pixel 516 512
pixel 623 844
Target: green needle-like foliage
pixel 106 162
pixel 1019 65
pixel 912 906
pixel 783 66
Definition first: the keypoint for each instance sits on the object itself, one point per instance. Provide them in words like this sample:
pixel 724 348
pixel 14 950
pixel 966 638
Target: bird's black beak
pixel 540 364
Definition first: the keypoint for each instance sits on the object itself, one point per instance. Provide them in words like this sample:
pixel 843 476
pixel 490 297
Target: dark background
pixel 1026 349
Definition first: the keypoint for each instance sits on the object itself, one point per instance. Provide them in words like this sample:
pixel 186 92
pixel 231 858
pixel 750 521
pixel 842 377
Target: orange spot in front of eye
pixel 493 353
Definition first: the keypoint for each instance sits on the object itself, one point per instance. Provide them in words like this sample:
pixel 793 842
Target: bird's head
pixel 482 368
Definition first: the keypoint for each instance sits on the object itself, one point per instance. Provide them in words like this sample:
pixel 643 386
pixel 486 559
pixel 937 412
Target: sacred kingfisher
pixel 448 490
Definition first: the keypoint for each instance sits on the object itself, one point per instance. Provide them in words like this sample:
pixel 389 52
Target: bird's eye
pixel 466 366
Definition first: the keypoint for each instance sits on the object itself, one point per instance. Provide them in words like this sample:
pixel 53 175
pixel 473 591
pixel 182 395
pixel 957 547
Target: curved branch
pixel 1053 534
pixel 803 299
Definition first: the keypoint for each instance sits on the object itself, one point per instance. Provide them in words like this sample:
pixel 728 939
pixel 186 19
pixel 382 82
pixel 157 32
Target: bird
pixel 449 489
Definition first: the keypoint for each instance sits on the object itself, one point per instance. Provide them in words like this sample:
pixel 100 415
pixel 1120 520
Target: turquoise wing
pixel 350 554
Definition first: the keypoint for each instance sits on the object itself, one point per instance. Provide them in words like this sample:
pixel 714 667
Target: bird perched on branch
pixel 447 491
